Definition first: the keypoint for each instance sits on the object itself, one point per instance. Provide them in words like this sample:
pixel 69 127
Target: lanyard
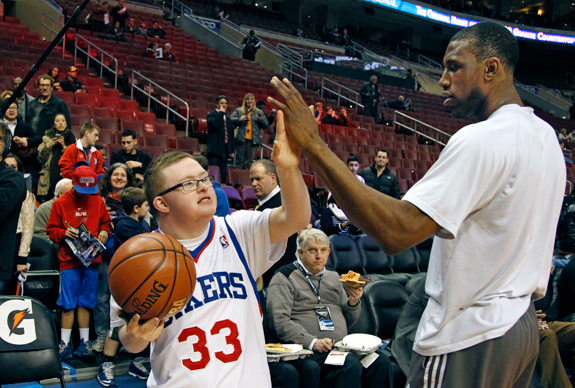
pixel 313 288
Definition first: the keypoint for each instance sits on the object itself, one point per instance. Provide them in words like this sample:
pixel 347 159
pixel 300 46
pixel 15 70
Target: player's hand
pixel 284 154
pixel 72 233
pixel 323 345
pixel 148 331
pixel 103 236
pixel 354 295
pixel 300 123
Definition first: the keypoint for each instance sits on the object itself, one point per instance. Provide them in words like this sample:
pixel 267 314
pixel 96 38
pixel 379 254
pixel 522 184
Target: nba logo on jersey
pixel 224 241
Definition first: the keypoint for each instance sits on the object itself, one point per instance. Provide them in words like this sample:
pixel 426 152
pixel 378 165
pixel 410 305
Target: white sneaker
pixel 98 346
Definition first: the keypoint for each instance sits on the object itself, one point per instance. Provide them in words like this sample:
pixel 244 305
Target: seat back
pixel 344 255
pixel 28 341
pixel 385 300
pixel 406 261
pixel 374 259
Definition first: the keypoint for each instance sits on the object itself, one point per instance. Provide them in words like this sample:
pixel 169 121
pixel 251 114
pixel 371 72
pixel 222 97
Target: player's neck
pixel 181 230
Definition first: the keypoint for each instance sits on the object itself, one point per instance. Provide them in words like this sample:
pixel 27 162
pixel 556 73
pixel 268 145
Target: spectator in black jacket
pixel 379 176
pixel 72 83
pixel 12 194
pixel 25 141
pixel 221 143
pixel 136 160
pixel 46 106
pixel 156 31
pixel 330 117
pixel 370 97
pixel 119 14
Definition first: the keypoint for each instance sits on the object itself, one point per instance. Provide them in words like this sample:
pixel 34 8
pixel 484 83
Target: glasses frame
pixel 195 182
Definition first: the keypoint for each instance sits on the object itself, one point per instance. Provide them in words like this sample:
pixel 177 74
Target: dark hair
pixel 352 158
pixel 488 39
pixel 129 132
pixel 328 108
pixel 51 70
pixel 106 185
pixel 218 98
pixel 18 162
pixel 132 196
pixel 382 150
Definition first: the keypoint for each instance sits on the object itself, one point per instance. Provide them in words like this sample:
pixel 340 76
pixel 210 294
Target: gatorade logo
pixel 16 322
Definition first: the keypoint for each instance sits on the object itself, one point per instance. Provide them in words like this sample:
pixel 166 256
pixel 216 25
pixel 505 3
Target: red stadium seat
pixel 157 141
pixel 107 123
pixel 102 112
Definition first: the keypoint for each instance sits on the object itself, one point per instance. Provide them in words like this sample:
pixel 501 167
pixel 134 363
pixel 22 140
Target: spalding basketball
pixel 153 275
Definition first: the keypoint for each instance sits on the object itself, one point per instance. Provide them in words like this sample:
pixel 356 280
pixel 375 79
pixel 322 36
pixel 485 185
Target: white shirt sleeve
pixel 468 174
pixel 252 231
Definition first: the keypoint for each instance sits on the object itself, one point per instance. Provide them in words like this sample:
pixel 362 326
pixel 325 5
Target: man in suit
pixel 221 143
pixel 266 187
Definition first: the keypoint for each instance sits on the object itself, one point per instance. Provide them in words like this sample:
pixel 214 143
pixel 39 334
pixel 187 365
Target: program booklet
pixel 86 247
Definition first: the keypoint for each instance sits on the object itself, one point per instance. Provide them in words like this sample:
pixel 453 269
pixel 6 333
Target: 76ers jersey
pixel 217 340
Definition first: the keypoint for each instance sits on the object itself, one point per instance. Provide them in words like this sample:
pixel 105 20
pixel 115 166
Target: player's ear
pixel 161 205
pixel 492 66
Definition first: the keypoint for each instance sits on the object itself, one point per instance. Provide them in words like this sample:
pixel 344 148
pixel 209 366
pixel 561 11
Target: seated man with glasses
pixel 44 109
pixel 217 340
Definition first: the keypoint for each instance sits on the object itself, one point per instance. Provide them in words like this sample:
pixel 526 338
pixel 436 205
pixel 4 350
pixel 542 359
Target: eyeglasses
pixel 44 86
pixel 190 185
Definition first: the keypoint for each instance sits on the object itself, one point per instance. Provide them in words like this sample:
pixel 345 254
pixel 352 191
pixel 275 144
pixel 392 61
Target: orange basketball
pixel 153 275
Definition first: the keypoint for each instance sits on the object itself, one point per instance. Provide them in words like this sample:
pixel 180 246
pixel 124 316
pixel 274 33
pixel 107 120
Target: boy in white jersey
pixel 217 340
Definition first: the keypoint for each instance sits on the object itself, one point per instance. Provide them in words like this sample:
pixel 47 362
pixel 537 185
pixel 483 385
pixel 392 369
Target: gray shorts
pixel 504 362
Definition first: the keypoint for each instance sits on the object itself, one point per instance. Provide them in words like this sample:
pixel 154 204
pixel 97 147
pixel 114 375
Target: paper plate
pixel 361 341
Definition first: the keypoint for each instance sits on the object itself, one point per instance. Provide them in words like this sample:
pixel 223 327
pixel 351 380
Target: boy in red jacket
pixel 83 150
pixel 78 282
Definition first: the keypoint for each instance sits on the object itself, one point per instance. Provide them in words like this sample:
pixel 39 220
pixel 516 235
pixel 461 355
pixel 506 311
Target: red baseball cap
pixel 85 180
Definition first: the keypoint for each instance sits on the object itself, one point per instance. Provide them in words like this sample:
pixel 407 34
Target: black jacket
pixel 216 134
pixel 386 183
pixel 369 93
pixel 43 119
pixel 12 194
pixel 140 156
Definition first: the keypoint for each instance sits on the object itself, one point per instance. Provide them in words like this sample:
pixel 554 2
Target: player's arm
pixel 394 224
pixel 136 337
pixel 295 212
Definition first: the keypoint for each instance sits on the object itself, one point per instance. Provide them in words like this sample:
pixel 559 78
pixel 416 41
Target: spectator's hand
pixel 133 164
pixel 284 154
pixel 300 123
pixel 540 314
pixel 232 155
pixel 148 331
pixel 244 117
pixel 354 295
pixel 22 268
pixel 72 233
pixel 103 236
pixel 323 345
pixel 139 177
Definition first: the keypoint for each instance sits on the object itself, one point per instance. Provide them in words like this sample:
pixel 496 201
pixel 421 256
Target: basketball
pixel 152 275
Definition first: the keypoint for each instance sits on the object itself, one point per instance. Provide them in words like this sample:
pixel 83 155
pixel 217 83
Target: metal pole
pixel 34 69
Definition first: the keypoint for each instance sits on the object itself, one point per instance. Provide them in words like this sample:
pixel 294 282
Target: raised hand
pixel 300 124
pixel 285 154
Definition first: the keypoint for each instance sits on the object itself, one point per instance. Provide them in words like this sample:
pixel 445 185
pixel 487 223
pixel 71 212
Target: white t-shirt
pixel 496 191
pixel 218 339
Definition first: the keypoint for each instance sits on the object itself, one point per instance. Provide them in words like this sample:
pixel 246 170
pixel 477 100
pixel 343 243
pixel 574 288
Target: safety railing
pixel 149 88
pixel 53 26
pixel 428 62
pixel 342 92
pixel 98 55
pixel 418 127
pixel 292 63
